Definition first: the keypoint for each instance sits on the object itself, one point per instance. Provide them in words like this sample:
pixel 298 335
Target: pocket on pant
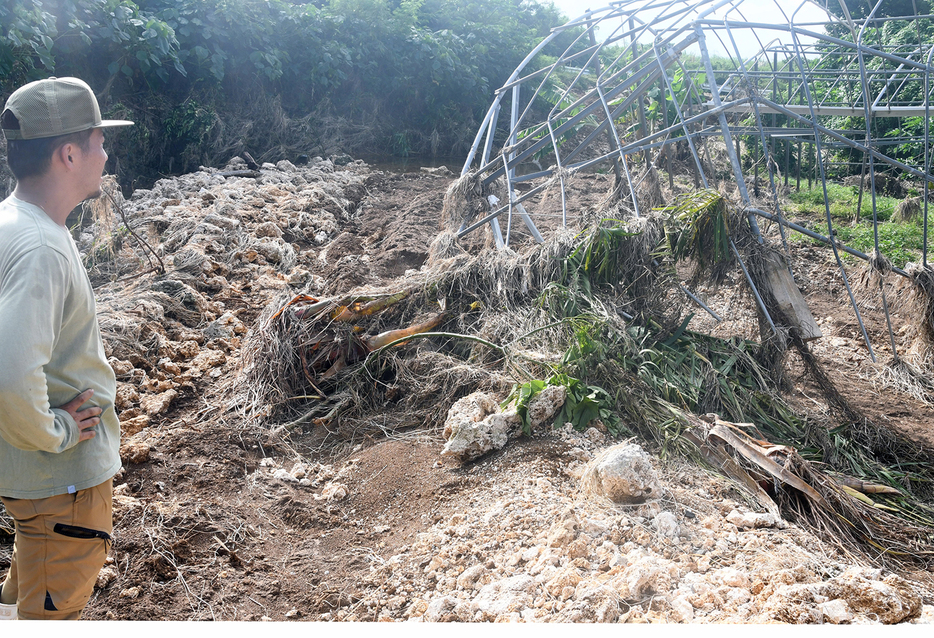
pixel 93 509
pixel 74 557
pixel 73 531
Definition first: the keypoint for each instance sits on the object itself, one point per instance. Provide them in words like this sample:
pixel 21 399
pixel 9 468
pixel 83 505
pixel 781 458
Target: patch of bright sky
pixel 759 11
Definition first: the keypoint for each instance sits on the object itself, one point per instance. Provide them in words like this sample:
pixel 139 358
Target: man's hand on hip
pixel 86 418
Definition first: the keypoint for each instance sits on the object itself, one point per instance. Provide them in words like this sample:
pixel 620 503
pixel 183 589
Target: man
pixel 59 434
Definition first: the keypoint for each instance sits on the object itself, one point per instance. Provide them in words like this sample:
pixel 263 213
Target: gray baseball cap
pixel 52 107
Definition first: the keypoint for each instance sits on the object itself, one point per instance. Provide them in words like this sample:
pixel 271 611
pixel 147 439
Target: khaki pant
pixel 60 546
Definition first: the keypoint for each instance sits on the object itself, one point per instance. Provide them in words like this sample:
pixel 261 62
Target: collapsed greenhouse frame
pixel 792 92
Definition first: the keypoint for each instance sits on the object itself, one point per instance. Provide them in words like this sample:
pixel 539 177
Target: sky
pixel 757 10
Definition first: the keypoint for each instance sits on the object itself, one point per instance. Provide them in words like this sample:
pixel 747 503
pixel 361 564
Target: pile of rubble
pixel 545 542
pixel 598 532
pixel 228 244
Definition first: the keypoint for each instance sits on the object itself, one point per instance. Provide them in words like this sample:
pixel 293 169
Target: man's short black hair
pixel 32 158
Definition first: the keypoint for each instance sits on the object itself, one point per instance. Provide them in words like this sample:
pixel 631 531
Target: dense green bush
pixel 208 78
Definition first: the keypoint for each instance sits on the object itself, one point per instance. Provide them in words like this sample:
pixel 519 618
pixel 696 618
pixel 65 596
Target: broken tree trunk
pixel 789 298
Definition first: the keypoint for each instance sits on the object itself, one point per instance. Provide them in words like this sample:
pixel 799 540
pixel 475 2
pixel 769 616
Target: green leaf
pixel 680 331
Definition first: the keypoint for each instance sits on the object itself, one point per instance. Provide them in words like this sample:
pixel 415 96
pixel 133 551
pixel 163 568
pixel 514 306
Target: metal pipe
pixel 846 141
pixel 715 96
pixel 700 303
pixel 575 118
pixel 491 130
pixel 872 172
pixel 817 149
pixel 765 149
pixel 815 235
pixel 927 155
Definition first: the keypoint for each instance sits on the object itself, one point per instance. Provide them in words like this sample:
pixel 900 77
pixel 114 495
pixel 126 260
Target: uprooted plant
pixel 602 314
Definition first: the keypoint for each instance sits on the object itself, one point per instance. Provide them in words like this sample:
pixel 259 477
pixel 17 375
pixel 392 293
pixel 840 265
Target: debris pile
pixel 240 487
pixel 601 307
pixel 217 248
pixel 538 545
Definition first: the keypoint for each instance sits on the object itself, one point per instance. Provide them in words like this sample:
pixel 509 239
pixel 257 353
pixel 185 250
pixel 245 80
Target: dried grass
pixel 917 302
pixel 6 523
pixel 917 381
pixel 500 297
pixel 853 525
pixel 467 199
pixel 907 209
pixel 6 537
pixel 649 190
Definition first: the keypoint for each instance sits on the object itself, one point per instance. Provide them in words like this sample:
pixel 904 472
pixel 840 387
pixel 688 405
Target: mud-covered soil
pixel 218 520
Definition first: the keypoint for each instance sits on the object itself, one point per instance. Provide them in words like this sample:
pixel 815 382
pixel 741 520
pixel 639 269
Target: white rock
pixel 730 577
pixel 646 575
pixel 510 595
pixel 926 617
pixel 622 473
pixel 472 440
pixel 563 580
pixel 752 520
pixel 795 604
pixel 106 576
pixel 283 475
pixel 682 610
pixel 736 596
pixel 836 611
pixel 156 404
pixel 474 427
pixel 469 577
pixel 267 229
pixel 440 609
pixel 531 554
pixel 666 524
pixel 473 407
pixel 546 404
pixel 332 492
pixel 435 564
pixel 890 600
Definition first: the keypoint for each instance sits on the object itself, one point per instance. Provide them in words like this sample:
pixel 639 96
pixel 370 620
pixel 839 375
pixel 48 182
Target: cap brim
pixel 111 123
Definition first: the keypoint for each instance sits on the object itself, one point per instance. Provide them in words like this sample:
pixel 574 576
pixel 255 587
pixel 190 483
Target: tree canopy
pixel 382 75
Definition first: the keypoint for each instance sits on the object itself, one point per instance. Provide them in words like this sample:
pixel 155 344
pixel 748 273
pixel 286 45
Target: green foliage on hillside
pixel 276 77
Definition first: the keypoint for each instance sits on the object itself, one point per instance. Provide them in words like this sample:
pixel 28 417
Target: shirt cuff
pixel 69 427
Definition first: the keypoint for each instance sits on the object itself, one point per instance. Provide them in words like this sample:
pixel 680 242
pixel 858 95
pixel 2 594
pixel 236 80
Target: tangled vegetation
pixel 599 313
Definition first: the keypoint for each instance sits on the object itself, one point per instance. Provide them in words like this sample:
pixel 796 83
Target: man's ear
pixel 65 154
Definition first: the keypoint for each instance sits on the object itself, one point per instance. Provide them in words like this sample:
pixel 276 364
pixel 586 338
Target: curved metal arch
pixel 792 87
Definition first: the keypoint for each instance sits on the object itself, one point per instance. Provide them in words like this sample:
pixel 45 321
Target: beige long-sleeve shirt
pixel 50 351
